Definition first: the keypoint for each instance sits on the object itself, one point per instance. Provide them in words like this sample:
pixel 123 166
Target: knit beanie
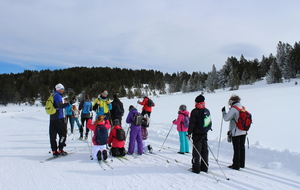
pixel 199 98
pixel 116 122
pixel 182 107
pixel 59 86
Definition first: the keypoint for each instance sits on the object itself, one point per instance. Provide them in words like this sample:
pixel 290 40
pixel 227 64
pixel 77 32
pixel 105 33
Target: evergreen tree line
pixel 78 81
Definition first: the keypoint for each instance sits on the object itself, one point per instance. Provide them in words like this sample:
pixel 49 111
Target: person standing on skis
pixel 200 123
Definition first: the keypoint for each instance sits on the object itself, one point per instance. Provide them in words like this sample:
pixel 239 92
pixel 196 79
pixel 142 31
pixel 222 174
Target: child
pixel 99 127
pixel 144 126
pixel 182 130
pixel 75 115
pixel 117 149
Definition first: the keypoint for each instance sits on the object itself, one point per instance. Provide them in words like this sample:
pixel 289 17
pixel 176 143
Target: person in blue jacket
pixel 57 122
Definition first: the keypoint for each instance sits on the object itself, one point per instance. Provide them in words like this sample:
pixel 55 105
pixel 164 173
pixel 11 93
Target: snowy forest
pixel 32 85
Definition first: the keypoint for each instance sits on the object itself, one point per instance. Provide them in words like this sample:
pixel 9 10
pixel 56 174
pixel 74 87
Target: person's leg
pixel 62 133
pixel 242 150
pixel 196 151
pixel 236 153
pixel 52 135
pixel 204 154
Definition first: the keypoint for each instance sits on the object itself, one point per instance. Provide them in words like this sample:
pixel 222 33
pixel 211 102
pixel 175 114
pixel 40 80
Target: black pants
pixel 200 164
pixel 68 117
pixel 146 112
pixel 117 152
pixel 59 127
pixel 238 143
pixel 84 120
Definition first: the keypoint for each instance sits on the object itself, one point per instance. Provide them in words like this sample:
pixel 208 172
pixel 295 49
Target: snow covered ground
pixel 272 160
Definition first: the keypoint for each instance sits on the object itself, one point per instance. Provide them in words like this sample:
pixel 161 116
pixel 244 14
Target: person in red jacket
pixel 146 108
pixel 99 149
pixel 117 146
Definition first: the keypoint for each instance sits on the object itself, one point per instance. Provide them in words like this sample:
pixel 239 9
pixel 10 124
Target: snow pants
pixel 238 143
pixel 96 148
pixel 135 135
pixel 184 142
pixel 59 127
pixel 200 162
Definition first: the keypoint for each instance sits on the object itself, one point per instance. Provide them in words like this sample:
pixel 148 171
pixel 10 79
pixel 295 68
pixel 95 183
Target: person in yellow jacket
pixel 102 105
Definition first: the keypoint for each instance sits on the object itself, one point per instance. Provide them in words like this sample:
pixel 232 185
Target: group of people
pixel 200 123
pixel 107 122
pixel 106 111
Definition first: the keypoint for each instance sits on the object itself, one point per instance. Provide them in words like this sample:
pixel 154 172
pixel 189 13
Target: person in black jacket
pixel 117 110
pixel 200 123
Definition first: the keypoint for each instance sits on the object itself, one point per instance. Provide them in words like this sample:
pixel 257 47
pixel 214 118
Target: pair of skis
pixel 55 157
pixel 104 162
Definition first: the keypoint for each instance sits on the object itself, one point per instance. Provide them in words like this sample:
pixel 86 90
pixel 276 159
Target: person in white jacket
pixel 234 134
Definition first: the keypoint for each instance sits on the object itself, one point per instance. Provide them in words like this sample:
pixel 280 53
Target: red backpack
pixel 244 120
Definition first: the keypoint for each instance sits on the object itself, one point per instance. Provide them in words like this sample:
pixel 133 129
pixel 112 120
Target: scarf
pixel 200 105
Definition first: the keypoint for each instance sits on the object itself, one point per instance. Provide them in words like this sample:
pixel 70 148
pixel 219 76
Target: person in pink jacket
pixel 182 130
pixel 100 128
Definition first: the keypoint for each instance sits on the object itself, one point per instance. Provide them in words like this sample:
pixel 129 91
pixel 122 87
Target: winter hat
pixel 116 122
pixel 59 86
pixel 234 98
pixel 199 98
pixel 182 107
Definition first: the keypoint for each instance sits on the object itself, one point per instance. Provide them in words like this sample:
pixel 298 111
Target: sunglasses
pixel 105 93
pixel 62 88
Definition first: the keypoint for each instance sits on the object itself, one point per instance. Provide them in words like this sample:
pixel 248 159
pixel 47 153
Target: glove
pixel 229 136
pixel 223 109
pixel 109 145
pixel 138 101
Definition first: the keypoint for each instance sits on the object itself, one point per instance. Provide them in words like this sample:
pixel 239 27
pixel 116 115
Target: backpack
pixel 205 122
pixel 49 107
pixel 150 102
pixel 120 134
pixel 145 121
pixel 101 135
pixel 86 107
pixel 119 110
pixel 138 118
pixel 186 120
pixel 244 120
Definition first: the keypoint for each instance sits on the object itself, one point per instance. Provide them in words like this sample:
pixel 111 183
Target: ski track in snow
pixel 25 142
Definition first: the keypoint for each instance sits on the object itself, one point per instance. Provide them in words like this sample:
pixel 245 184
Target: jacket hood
pixel 185 112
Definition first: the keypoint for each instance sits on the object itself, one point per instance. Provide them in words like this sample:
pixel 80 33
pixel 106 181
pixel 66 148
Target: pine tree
pixel 274 74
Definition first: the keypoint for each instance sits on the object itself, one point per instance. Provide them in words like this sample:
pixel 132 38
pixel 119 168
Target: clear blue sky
pixel 165 35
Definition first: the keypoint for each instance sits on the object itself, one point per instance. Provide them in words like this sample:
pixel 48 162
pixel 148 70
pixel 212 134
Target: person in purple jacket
pixel 135 132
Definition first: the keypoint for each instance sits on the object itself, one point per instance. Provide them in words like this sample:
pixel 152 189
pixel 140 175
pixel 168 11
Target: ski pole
pixel 127 132
pixel 166 138
pixel 202 159
pixel 90 146
pixel 218 163
pixel 220 137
